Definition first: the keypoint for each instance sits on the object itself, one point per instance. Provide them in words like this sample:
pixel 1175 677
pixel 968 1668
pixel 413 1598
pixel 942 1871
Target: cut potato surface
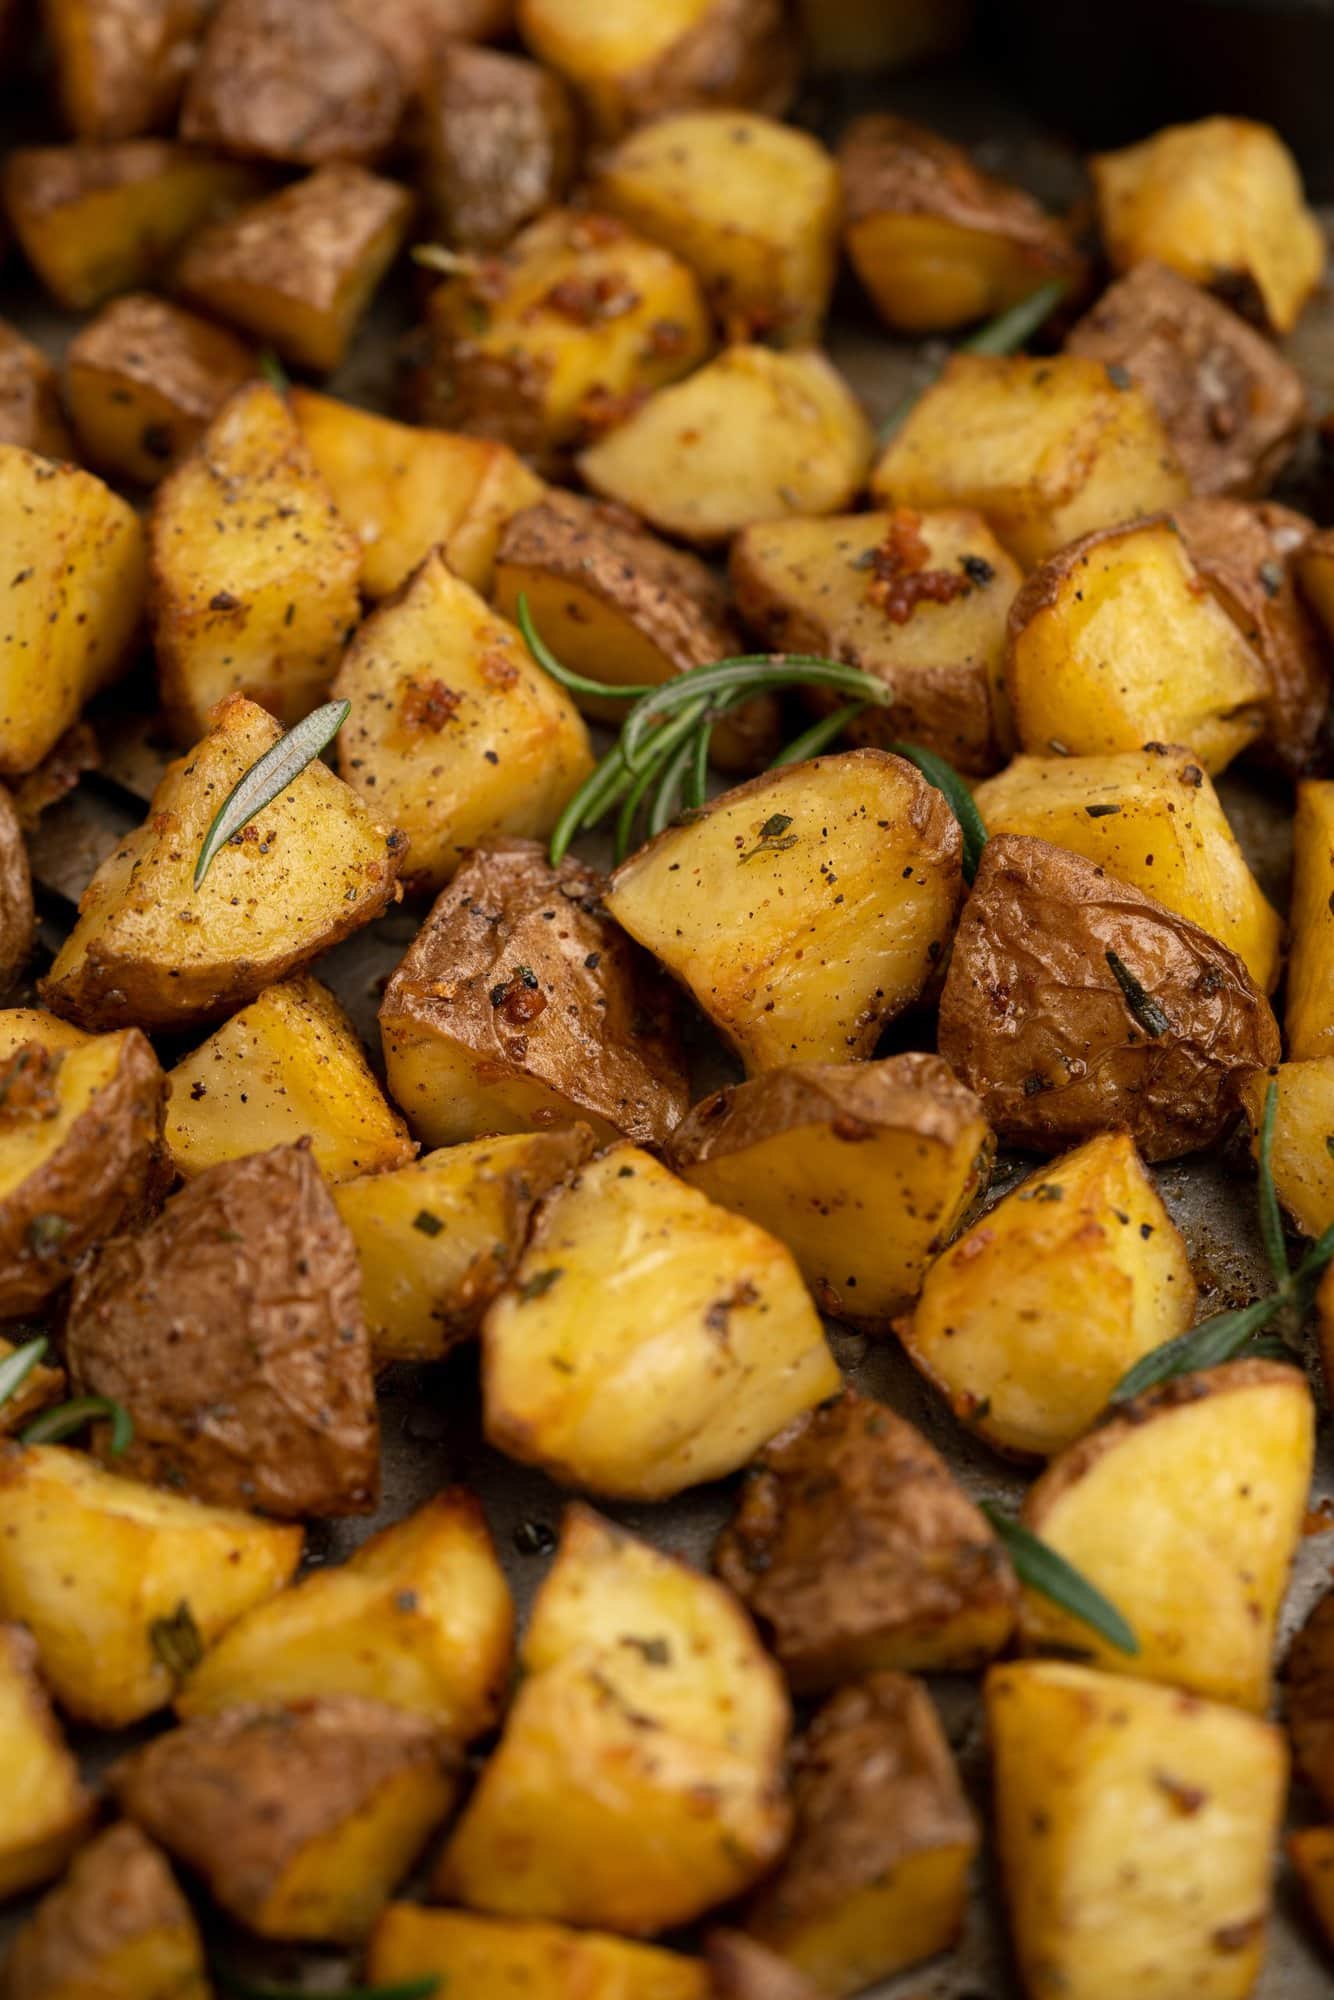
pixel 45 1809
pixel 1308 1018
pixel 1301 1157
pixel 478 1958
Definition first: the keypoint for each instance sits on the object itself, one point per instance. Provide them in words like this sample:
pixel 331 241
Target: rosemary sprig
pixel 271 368
pixel 957 796
pixel 1042 1569
pixel 1007 333
pixel 270 775
pixel 18 1366
pixel 67 1418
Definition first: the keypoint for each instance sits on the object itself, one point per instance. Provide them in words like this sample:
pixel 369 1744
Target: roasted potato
pixel 1311 1852
pixel 1087 1236
pixel 876 1877
pixel 918 600
pixel 75 569
pixel 863 1170
pixel 1232 407
pixel 578 316
pixel 150 947
pixel 741 1969
pixel 45 1809
pixel 624 1374
pixel 751 437
pixel 121 65
pixel 1152 819
pixel 231 1331
pixel 1047 449
pixel 288 1066
pixel 119 1585
pixel 737 904
pixel 1314 561
pixel 438 1238
pixel 499 144
pixel 42 1386
pixel 1115 641
pixel 1074 1004
pixel 30 412
pixel 415 31
pixel 856 1551
pixel 299 268
pixel 142 382
pixel 477 1958
pixel 1136 1829
pixel 117 1926
pixel 1221 202
pixel 17 918
pixel 638 1781
pixel 1308 1018
pixel 521 1005
pixel 495 748
pixel 1309 1686
pixel 1301 1157
pixel 936 241
pixel 751 205
pixel 301 1819
pixel 404 491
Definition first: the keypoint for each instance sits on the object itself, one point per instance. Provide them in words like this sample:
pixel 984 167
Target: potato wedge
pixel 30 412
pixel 288 1066
pixel 1221 202
pixel 121 64
pixel 476 1958
pixel 521 1005
pixel 45 1809
pixel 455 730
pixel 1311 1852
pixel 737 904
pixel 1302 1162
pixel 1085 1241
pixel 42 1386
pixel 118 1584
pixel 863 1170
pixel 1136 1832
pixel 1308 1676
pixel 638 1781
pixel 741 1969
pixel 301 1820
pixel 856 1551
pixel 1308 1016
pixel 751 437
pixel 150 947
pixel 498 139
pixel 625 1378
pixel 1047 450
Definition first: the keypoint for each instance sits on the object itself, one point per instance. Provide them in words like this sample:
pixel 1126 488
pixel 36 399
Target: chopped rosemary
pixel 67 1418
pixel 177 1641
pixel 269 776
pixel 1007 333
pixel 1043 1570
pixel 18 1366
pixel 1141 1004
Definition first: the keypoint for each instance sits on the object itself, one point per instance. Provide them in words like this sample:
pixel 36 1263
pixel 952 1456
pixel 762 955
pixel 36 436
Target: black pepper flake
pixel 978 570
pixel 593 961
pixel 1101 812
pixel 656 1652
pixel 177 1641
pixel 534 1538
pixel 429 1225
pixel 1141 1004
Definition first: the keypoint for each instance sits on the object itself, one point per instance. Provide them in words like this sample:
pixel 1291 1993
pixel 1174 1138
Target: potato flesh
pixel 30 410
pixel 475 1958
pixel 926 272
pixel 44 1809
pixel 1308 1018
pixel 1302 1164
pixel 1136 1832
pixel 26 1144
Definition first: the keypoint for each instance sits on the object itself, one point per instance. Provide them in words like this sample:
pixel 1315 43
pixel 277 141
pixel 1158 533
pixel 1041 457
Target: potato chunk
pixel 288 1066
pixel 753 436
pixel 143 381
pixel 1311 1851
pixel 1074 1003
pixel 803 910
pixel 521 1005
pixel 476 1958
pixel 299 268
pixel 41 1387
pixel 864 1170
pixel 150 947
pixel 231 1331
pixel 45 1810
pixel 1221 202
pixel 30 412
pixel 856 1550
pixel 1136 1833
pixel 301 1820
pixel 118 1583
pixel 1047 449
pixel 1086 1237
pixel 876 1877
pixel 419 1617
pixel 918 600
pixel 1151 818
pixel 741 1969
pixel 936 241
pixel 17 916
pixel 1302 1162
pixel 638 1781
pixel 121 64
pixel 455 730
pixel 499 144
pixel 1309 1678
pixel 1308 1018
pixel 642 1383
pixel 74 599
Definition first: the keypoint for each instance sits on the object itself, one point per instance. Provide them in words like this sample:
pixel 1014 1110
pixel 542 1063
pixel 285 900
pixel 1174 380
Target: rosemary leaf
pixel 958 797
pixel 819 736
pixel 177 1641
pixel 67 1418
pixel 675 775
pixel 270 775
pixel 1043 1570
pixel 566 676
pixel 697 777
pixel 1271 1222
pixel 271 368
pixel 18 1366
pixel 1005 334
pixel 1142 1005
pixel 750 673
pixel 1215 1340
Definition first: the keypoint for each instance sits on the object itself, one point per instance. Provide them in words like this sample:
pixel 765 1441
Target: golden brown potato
pixel 936 241
pixel 1309 1687
pixel 45 1809
pixel 41 1387
pixel 97 220
pixel 1086 1237
pixel 299 268
pixel 499 144
pixel 876 1877
pixel 638 1781
pixel 121 65
pixel 1308 1018
pixel 120 1586
pixel 1232 407
pixel 1221 202
pixel 1302 1162
pixel 751 437
pixel 455 731
pixel 231 1331
pixel 863 1170
pixel 1074 1004
pixel 477 1958
pixel 1136 1829
pixel 117 1926
pixel 150 947
pixel 737 904
pixel 856 1550
pixel 751 205
pixel 1311 1852
pixel 143 381
pixel 741 1969
pixel 30 412
pixel 17 920
pixel 520 1005
pixel 1047 449
pixel 918 600
pixel 301 1820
